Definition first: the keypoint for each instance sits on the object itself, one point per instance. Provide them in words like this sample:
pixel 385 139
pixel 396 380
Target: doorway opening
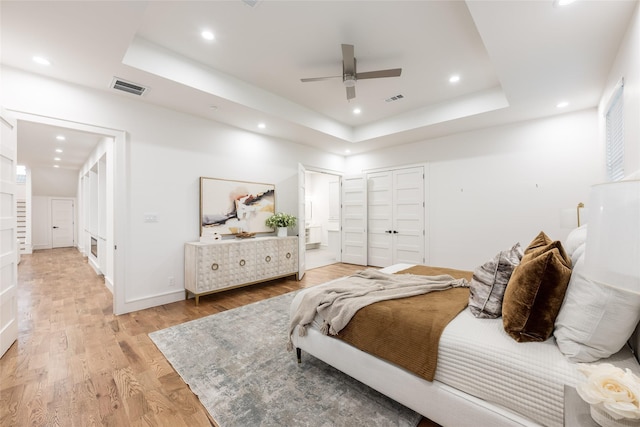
pixel 97 208
pixel 322 219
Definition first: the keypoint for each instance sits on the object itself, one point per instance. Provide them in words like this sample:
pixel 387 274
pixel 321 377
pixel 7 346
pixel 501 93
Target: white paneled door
pixel 408 216
pixel 8 234
pixel 354 219
pixel 62 223
pixel 380 199
pixel 396 217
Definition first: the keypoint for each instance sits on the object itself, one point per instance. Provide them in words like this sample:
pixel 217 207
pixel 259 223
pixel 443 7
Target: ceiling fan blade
pixel 394 72
pixel 348 60
pixel 319 79
pixel 351 92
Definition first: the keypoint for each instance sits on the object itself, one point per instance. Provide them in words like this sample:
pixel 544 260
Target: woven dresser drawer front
pixel 242 263
pixel 213 270
pixel 266 259
pixel 288 255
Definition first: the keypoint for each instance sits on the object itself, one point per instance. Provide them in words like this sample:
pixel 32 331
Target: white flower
pixel 615 390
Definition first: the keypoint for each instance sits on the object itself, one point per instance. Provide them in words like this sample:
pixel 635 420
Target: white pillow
pixel 577 237
pixel 595 320
pixel 577 254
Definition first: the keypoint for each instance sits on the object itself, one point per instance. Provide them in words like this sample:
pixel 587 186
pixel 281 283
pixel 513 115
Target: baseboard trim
pixel 94 265
pixel 142 303
pixel 108 284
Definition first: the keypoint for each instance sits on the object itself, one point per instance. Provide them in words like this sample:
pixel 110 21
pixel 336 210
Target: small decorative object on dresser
pixel 281 221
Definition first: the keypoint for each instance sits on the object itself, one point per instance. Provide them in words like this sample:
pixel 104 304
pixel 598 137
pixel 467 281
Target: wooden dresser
pixel 227 264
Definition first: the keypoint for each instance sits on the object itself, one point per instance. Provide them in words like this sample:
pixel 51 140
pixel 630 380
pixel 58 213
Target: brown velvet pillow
pixel 539 241
pixel 536 252
pixel 534 296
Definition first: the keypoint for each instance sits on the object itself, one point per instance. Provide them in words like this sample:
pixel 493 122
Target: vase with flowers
pixel 612 393
pixel 281 221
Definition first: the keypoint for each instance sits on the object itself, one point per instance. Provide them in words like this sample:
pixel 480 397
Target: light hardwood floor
pixel 76 364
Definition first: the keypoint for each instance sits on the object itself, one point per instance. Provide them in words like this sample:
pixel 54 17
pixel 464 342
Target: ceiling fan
pixel 350 75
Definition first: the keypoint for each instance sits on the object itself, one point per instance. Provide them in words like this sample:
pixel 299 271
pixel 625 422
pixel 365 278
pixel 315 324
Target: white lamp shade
pixel 612 252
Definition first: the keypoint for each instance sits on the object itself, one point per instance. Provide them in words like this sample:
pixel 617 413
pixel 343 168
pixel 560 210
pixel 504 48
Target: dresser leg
pixel 299 355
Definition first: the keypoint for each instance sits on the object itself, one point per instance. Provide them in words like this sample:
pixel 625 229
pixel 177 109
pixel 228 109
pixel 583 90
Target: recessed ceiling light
pixel 56 166
pixel 41 60
pixel 347 151
pixel 60 138
pixel 207 35
pixel 562 104
pixel 57 159
pixel 357 111
pixel 262 125
pixel 58 150
pixel 454 79
pixel 563 2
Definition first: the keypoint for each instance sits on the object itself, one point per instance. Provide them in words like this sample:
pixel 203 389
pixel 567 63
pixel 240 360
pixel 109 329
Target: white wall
pixel 166 153
pixel 53 182
pixel 491 188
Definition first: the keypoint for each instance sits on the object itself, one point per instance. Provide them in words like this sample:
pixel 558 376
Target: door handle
pixel 388 231
pixel 395 232
pixel 55 226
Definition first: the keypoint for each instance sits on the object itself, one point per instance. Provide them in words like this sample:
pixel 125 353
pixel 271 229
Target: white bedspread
pixel 477 357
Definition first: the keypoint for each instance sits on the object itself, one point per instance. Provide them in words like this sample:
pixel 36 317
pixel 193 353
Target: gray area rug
pixel 237 364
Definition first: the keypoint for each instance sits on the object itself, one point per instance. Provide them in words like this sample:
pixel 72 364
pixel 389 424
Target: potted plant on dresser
pixel 281 221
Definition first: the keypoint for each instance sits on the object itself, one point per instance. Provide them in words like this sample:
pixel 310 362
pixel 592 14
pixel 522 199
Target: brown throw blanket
pixel 338 302
pixel 407 331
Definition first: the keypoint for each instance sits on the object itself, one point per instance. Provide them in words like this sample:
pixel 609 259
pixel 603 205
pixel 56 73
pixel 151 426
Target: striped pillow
pixel 489 282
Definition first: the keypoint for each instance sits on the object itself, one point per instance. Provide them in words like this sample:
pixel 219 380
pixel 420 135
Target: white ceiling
pixel 516 60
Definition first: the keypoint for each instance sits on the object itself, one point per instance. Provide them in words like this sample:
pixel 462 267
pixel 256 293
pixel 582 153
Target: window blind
pixel 615 135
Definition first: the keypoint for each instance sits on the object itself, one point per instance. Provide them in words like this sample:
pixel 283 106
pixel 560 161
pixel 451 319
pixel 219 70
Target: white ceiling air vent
pixel 251 3
pixel 129 87
pixel 394 98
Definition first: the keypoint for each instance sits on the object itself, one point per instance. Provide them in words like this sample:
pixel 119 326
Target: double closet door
pixel 396 217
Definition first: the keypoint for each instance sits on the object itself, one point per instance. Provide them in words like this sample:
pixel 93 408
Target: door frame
pixel 118 229
pixel 427 204
pixel 301 200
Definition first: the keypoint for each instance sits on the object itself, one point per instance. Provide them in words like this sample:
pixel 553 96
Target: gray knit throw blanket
pixel 338 302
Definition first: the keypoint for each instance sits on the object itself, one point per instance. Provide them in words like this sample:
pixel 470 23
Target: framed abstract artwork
pixel 231 207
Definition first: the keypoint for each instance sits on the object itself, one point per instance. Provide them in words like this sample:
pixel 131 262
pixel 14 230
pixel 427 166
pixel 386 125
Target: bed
pixel 484 376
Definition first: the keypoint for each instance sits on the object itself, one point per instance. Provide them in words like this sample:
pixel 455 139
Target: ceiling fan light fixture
pixel 350 75
pixel 349 81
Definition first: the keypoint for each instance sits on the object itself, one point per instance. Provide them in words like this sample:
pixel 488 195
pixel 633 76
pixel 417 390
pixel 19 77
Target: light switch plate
pixel 151 217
